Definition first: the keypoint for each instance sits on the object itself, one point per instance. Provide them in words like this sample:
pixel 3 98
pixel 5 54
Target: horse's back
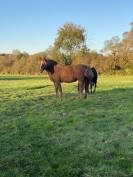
pixel 65 73
pixel 94 71
pixel 70 73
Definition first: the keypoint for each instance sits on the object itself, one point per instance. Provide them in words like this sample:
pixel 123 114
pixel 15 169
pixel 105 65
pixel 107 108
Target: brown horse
pixel 66 73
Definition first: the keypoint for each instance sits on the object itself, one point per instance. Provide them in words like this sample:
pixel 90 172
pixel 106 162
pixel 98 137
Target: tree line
pixel 70 48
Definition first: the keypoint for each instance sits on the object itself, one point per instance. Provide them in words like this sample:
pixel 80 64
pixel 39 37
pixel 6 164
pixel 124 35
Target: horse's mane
pixel 51 62
pixel 50 65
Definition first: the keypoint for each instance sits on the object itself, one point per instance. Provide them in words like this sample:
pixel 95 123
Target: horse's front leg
pixel 60 90
pixel 56 89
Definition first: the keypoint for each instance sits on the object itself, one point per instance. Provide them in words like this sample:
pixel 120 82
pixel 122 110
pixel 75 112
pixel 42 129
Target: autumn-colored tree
pixel 127 45
pixel 121 50
pixel 113 47
pixel 55 54
pixel 70 38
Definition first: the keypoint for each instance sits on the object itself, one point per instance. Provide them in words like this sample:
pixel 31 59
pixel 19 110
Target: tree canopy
pixel 70 39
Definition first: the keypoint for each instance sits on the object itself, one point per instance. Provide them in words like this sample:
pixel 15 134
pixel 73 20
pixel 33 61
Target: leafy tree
pixel 113 47
pixel 25 54
pixel 16 52
pixel 55 54
pixel 70 38
pixel 121 50
pixel 127 44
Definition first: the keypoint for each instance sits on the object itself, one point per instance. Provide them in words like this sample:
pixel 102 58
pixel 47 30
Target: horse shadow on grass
pixel 38 87
pixel 101 98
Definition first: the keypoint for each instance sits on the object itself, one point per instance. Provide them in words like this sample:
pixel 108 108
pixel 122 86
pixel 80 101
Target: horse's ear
pixel 43 59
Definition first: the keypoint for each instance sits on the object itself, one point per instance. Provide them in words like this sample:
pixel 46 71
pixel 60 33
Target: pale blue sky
pixel 31 25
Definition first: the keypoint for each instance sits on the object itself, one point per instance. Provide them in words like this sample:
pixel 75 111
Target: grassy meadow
pixel 42 136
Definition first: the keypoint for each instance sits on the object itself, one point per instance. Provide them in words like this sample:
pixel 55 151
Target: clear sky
pixel 31 25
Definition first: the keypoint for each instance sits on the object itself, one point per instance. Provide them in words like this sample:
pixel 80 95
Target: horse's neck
pixel 50 75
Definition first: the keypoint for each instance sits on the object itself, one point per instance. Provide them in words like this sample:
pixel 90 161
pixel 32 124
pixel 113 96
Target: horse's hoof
pixel 85 96
pixel 78 97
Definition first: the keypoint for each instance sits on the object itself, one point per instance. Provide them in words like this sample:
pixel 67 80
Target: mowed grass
pixel 42 136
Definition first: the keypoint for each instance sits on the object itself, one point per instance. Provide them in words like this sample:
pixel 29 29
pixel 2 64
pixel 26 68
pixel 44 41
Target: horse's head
pixel 43 64
pixel 47 65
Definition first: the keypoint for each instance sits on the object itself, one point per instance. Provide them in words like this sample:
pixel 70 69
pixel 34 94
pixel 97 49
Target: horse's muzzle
pixel 41 70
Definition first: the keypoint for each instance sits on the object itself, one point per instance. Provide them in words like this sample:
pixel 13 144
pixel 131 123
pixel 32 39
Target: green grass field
pixel 42 136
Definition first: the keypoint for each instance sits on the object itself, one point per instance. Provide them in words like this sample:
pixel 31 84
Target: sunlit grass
pixel 41 135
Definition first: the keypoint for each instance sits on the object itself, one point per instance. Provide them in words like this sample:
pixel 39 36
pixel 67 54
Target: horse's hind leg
pixel 81 87
pixel 95 85
pixel 86 88
pixel 78 86
pixel 91 86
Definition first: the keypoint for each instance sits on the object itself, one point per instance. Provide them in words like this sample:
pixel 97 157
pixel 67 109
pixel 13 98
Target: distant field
pixel 41 136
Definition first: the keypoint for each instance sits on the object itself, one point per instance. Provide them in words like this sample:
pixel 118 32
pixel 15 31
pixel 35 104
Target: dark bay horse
pixel 66 73
pixel 93 81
